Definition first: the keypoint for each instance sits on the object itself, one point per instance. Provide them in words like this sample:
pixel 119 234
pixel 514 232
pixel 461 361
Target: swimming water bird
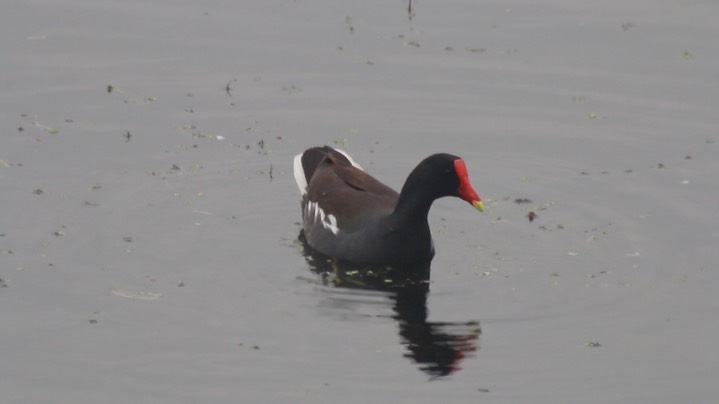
pixel 349 215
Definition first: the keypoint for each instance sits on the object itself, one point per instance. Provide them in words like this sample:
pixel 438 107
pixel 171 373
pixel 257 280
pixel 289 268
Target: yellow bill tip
pixel 479 205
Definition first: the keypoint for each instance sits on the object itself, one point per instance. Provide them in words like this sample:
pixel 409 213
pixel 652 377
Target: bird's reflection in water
pixel 437 347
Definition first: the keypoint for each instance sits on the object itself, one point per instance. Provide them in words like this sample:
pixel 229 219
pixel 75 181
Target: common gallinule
pixel 349 215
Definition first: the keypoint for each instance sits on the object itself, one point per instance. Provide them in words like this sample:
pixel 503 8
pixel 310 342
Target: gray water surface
pixel 149 217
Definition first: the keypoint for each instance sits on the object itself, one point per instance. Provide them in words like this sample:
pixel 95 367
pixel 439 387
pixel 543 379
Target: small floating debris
pixel 228 87
pixel 136 295
pixel 48 129
pixel 592 344
pixel 350 25
pixel 531 215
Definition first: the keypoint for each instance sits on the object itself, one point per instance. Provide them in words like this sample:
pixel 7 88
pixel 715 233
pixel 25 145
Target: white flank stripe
pixel 318 215
pixel 330 222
